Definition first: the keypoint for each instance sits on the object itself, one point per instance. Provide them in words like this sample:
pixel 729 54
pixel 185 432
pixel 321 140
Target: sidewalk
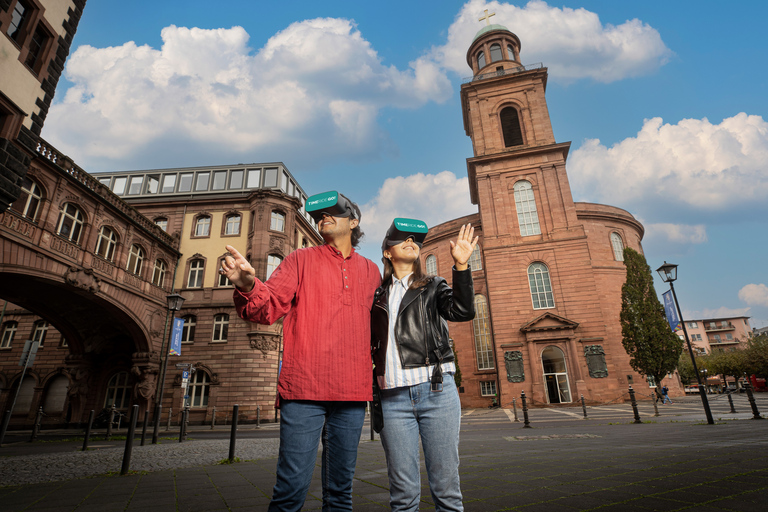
pixel 571 465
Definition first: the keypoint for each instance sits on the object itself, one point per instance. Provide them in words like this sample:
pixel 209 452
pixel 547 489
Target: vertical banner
pixel 671 311
pixel 178 328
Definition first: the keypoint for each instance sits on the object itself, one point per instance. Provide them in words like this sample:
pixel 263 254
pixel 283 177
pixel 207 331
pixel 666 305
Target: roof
pixel 489 28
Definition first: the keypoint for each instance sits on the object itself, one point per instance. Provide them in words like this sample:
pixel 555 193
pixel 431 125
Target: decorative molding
pixel 82 278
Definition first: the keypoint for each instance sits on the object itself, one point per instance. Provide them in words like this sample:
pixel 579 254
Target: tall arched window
pixel 510 127
pixel 28 203
pixel 135 260
pixel 56 395
pixel 9 332
pixel 158 273
pixel 118 391
pixel 203 226
pixel 70 223
pixel 482 330
pixel 495 52
pixel 199 389
pixel 272 263
pixel 510 52
pixel 188 331
pixel 618 246
pixel 431 265
pixel 481 60
pixel 196 270
pixel 525 203
pixel 105 247
pixel 232 225
pixel 220 327
pixel 541 287
pixel 475 261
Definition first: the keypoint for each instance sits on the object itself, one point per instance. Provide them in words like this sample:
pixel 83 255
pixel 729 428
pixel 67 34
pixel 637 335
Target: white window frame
pixel 188 331
pixel 158 273
pixel 430 265
pixel 73 221
pixel 475 259
pixel 220 328
pixel 203 226
pixel 162 223
pixel 39 332
pixel 135 260
pixel 196 269
pixel 525 204
pixel 9 333
pixel 199 389
pixel 232 225
pixel 540 286
pixel 118 387
pixel 617 243
pixel 273 261
pixel 277 221
pixel 482 335
pixel 107 243
pixel 487 388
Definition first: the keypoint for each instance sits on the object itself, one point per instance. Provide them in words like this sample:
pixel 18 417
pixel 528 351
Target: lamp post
pixel 174 304
pixel 668 273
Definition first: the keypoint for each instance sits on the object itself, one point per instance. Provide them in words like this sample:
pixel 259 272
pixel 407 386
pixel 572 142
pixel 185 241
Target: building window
pixel 18 19
pixel 717 338
pixel 162 223
pixel 618 246
pixel 36 49
pixel 495 52
pixel 729 336
pixel 135 260
pixel 185 182
pixel 196 269
pixel 277 222
pixel 188 331
pixel 527 216
pixel 70 223
pixel 219 180
pixel 202 181
pixel 169 183
pixel 152 184
pixel 236 179
pixel 158 274
pixel 482 330
pixel 39 332
pixel 431 264
pixel 541 287
pixel 272 263
pixel 510 127
pixel 232 225
pixel 475 261
pixel 134 185
pixel 480 60
pixel 254 178
pixel 510 52
pixel 693 325
pixel 28 202
pixel 488 388
pixel 651 381
pixel 105 247
pixel 223 280
pixel 220 327
pixel 203 226
pixel 199 389
pixel 118 391
pixel 9 332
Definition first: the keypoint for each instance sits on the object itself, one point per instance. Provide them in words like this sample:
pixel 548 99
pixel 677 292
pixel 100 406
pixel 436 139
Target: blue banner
pixel 671 311
pixel 178 328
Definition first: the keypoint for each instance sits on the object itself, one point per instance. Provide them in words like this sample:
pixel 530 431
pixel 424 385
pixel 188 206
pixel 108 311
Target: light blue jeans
pixel 302 425
pixel 413 413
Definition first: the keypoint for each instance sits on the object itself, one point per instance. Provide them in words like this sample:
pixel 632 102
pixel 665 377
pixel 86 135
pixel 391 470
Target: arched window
pixel 510 127
pixel 481 60
pixel 232 225
pixel 482 329
pixel 24 398
pixel 277 222
pixel 135 260
pixel 105 247
pixel 525 203
pixel 475 261
pixel 618 246
pixel 272 263
pixel 220 327
pixel 199 389
pixel 196 270
pixel 39 332
pixel 203 226
pixel 188 332
pixel 162 223
pixel 28 203
pixel 541 287
pixel 118 391
pixel 9 332
pixel 56 395
pixel 431 265
pixel 510 52
pixel 70 223
pixel 158 273
pixel 495 52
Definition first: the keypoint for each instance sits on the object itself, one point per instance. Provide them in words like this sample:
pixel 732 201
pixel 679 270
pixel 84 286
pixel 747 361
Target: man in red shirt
pixel 325 294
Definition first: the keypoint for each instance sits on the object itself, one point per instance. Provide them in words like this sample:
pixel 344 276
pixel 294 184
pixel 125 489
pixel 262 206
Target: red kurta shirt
pixel 326 300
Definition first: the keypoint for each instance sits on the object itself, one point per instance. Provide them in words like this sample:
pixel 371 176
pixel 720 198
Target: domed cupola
pixel 494 49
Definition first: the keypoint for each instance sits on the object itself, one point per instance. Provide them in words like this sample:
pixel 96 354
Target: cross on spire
pixel 487 17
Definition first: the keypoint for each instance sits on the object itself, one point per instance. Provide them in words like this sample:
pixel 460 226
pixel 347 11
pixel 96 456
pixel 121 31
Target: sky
pixel 664 104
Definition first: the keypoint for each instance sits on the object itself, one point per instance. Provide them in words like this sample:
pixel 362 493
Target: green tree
pixel 756 356
pixel 653 348
pixel 685 368
pixel 732 363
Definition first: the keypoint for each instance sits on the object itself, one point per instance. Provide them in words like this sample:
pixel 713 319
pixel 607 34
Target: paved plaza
pixel 564 462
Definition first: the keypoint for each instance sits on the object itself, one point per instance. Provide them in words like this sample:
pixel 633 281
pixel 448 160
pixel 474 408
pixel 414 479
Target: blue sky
pixel 664 104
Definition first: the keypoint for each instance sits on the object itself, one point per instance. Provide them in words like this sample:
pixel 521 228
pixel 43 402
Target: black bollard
pixel 4 428
pixel 583 407
pixel 88 430
pixel 258 418
pixel 233 433
pixel 751 398
pixel 129 439
pixel 156 424
pixel 730 402
pixel 526 423
pixel 36 426
pixel 144 427
pixel 213 418
pixel 111 419
pixel 514 408
pixel 634 404
pixel 182 424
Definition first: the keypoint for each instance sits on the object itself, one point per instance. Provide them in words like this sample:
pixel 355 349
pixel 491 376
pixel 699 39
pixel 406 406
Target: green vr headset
pixel 329 203
pixel 403 229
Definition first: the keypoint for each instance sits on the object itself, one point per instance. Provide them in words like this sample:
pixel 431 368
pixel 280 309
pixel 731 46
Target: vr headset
pixel 403 229
pixel 329 203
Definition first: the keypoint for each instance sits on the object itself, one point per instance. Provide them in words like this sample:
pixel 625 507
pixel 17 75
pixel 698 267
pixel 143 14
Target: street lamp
pixel 174 304
pixel 668 273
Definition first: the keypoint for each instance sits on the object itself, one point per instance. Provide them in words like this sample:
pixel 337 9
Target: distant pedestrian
pixel 665 395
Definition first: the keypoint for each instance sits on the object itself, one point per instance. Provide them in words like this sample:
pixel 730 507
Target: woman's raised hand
pixel 238 270
pixel 462 248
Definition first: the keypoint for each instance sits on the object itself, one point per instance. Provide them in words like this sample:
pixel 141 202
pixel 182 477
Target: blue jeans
pixel 302 425
pixel 413 413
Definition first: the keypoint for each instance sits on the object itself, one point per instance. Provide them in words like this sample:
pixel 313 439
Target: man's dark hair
pixel 357 233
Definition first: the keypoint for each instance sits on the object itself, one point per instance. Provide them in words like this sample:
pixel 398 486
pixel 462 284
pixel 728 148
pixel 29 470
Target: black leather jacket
pixel 421 331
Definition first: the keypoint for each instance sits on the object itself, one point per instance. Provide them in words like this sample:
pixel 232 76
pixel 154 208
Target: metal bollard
pixel 233 433
pixel 751 398
pixel 655 406
pixel 170 415
pixel 129 439
pixel 109 423
pixel 36 426
pixel 634 404
pixel 144 427
pixel 730 402
pixel 583 407
pixel 213 418
pixel 526 423
pixel 258 417
pixel 88 430
pixel 514 408
pixel 156 422
pixel 4 427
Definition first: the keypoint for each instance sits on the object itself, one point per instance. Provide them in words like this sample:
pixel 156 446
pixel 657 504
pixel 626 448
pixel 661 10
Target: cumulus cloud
pixel 754 294
pixel 677 233
pixel 573 43
pixel 721 312
pixel 693 166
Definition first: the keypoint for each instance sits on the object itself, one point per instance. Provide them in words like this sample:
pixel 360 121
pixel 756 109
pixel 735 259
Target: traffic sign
pixel 183 365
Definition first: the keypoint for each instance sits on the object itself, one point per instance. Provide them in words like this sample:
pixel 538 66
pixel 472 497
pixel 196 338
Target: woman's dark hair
pixel 418 279
pixel 357 233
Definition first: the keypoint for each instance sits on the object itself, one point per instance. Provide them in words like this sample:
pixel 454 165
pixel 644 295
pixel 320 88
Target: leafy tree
pixel 732 363
pixel 685 368
pixel 653 348
pixel 756 356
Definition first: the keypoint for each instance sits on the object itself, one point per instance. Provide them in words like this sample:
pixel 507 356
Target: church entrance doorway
pixel 555 375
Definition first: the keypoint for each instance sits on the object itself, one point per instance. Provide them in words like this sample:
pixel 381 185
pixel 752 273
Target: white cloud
pixel 754 294
pixel 721 312
pixel 677 233
pixel 573 43
pixel 693 166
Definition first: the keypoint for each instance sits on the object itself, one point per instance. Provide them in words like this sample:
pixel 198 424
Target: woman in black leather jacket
pixel 414 365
